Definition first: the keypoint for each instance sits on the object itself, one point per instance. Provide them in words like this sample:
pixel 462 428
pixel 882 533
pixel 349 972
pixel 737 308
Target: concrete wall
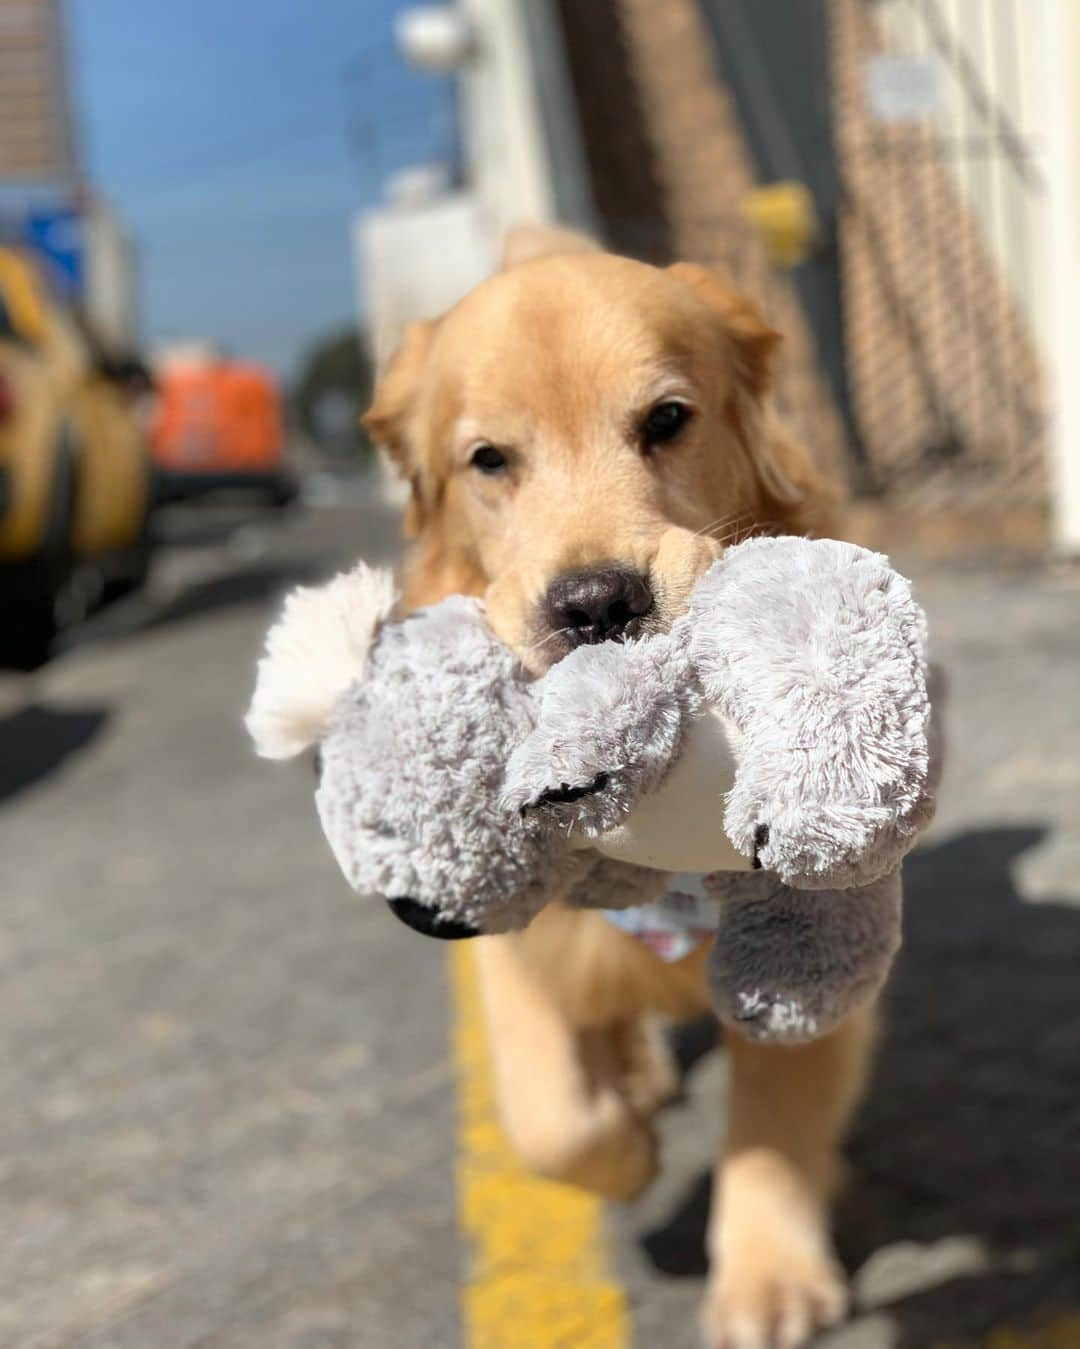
pixel 416 257
pixel 508 167
pixel 417 261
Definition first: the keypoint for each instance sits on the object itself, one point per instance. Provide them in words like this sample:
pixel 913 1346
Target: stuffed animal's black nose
pixel 592 606
pixel 428 922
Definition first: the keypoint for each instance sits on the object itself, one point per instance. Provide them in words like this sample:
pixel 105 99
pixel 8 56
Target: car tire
pixel 30 589
pixel 283 491
pixel 136 559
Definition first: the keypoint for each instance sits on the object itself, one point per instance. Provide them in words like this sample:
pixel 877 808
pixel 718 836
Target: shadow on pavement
pixel 209 524
pixel 972 1125
pixel 249 585
pixel 35 741
pixel 677 1248
pixel 971 1128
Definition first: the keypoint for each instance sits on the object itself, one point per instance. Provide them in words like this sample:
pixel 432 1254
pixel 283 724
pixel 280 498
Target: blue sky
pixel 220 130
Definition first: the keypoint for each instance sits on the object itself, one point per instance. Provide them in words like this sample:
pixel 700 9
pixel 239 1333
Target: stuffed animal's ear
pixel 388 419
pixel 316 649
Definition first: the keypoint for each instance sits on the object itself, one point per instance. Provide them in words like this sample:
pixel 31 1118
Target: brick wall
pixel 670 166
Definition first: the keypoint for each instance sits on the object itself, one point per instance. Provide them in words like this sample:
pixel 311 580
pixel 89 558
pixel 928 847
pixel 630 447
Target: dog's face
pixel 580 434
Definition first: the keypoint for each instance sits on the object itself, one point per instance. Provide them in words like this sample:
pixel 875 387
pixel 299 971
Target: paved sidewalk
pixel 230 1116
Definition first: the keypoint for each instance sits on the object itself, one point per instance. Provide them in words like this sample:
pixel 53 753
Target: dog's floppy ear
pixel 777 461
pixel 753 341
pixel 388 418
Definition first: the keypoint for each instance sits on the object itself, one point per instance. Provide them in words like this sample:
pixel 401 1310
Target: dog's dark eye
pixel 488 459
pixel 664 423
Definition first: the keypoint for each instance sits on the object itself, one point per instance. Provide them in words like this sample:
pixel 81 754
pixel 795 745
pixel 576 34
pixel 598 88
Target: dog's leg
pixel 774 1278
pixel 646 1066
pixel 559 1088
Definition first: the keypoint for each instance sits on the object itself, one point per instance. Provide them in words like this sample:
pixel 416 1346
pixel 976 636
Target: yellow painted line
pixel 537 1276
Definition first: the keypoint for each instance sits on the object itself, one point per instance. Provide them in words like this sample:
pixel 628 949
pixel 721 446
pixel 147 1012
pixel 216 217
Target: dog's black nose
pixel 591 606
pixel 428 922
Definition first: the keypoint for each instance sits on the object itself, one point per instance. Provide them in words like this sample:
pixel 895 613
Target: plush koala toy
pixel 776 743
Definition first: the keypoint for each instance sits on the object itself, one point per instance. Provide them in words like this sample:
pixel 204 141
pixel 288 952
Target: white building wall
pixel 415 258
pixel 509 169
pixel 1060 260
pixel 1025 55
pixel 417 261
pixel 999 40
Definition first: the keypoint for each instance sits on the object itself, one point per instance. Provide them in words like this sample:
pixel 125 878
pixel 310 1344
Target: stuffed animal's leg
pixel 774 1278
pixel 560 1089
pixel 789 965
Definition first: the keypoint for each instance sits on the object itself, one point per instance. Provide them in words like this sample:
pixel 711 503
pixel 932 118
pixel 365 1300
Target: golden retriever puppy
pixel 581 435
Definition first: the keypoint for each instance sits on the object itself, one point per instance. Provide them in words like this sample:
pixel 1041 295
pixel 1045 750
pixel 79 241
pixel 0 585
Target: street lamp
pixel 438 38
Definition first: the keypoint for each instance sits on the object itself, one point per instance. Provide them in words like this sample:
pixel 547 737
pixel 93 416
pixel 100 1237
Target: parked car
pixel 75 473
pixel 218 424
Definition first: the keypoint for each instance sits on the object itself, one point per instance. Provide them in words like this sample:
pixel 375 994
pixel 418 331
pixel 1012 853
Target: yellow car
pixel 75 488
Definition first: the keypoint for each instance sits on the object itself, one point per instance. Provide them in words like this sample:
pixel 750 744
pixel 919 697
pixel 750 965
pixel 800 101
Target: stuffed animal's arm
pixel 626 759
pixel 609 723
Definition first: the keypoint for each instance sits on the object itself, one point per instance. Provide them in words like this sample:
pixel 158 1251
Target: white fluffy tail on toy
pixel 315 650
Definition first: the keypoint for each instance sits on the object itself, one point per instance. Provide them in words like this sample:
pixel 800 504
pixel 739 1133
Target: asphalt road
pixel 229 1113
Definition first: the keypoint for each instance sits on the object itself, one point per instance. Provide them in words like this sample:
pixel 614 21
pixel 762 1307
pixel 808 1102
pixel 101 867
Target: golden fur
pixel 555 361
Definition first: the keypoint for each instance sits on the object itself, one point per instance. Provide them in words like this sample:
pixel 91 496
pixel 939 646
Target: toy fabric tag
pixel 675 924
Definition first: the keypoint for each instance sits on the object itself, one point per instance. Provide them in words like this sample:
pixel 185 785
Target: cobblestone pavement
pixel 229 1110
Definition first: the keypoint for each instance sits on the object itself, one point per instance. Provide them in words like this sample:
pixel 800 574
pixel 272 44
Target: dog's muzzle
pixel 428 922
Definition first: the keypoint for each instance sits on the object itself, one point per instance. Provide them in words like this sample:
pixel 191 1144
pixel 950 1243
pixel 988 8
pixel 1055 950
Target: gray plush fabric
pixel 789 965
pixel 609 884
pixel 816 651
pixel 412 767
pixel 450 779
pixel 614 712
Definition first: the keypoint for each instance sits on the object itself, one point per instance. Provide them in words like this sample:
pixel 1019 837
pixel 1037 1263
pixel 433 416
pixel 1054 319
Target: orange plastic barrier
pixel 224 417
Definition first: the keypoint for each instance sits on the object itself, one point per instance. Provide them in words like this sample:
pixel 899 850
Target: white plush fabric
pixel 616 710
pixel 315 650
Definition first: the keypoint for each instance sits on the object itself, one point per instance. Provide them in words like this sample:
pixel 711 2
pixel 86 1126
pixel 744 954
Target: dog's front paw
pixel 767 1299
